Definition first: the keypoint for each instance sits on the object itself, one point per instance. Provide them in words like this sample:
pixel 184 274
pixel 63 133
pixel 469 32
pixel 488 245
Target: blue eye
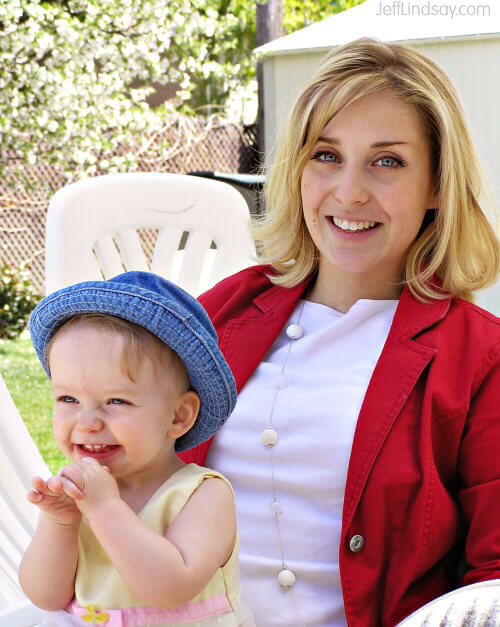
pixel 324 156
pixel 392 162
pixel 67 399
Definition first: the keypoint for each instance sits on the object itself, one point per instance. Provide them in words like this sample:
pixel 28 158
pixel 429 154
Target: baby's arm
pixel 164 572
pixel 47 569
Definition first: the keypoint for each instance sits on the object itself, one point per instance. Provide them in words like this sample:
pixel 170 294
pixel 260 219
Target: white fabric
pixel 327 373
pixel 20 461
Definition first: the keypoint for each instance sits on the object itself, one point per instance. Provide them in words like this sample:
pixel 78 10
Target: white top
pixel 320 395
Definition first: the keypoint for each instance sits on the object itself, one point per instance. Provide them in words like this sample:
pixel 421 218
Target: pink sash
pixel 140 616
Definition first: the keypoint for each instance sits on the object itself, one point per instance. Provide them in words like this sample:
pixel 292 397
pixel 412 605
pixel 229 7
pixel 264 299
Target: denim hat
pixel 168 312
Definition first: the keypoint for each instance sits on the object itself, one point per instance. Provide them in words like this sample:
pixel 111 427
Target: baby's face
pixel 100 412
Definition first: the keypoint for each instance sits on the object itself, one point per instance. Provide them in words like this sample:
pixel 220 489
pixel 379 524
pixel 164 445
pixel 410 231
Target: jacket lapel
pixel 401 363
pixel 257 330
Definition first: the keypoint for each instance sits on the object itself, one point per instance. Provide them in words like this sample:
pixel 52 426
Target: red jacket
pixel 424 473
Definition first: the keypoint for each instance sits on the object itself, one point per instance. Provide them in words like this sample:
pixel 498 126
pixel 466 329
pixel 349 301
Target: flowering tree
pixel 69 70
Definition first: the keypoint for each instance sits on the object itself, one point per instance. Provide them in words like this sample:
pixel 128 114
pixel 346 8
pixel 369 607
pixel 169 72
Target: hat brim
pixel 170 321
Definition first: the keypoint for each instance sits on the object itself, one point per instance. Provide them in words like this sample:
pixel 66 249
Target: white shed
pixel 462 36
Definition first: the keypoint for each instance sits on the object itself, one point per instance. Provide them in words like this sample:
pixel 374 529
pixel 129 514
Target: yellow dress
pixel 102 597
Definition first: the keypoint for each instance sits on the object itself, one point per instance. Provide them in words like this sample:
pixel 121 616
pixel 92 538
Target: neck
pixel 138 488
pixel 341 290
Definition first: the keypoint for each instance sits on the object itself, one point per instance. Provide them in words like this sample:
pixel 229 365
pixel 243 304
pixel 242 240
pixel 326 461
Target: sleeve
pixel 479 469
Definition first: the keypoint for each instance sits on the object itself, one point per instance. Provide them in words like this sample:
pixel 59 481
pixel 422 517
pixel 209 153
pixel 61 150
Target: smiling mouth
pixel 354 225
pixel 97 448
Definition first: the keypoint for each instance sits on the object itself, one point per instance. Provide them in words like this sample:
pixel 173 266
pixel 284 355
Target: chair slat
pixel 108 256
pixel 196 250
pixel 131 251
pixel 166 249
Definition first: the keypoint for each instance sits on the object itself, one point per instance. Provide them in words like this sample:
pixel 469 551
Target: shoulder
pixel 213 493
pixel 192 484
pixel 236 292
pixel 475 324
pixel 470 336
pixel 474 313
pixel 203 476
pixel 215 489
pixel 249 282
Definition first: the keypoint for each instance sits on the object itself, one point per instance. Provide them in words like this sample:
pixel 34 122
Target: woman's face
pixel 366 187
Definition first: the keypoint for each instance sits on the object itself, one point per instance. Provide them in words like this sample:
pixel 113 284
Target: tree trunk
pixel 269 27
pixel 269 21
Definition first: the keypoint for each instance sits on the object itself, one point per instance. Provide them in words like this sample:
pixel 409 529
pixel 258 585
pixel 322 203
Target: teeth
pixel 94 448
pixel 352 226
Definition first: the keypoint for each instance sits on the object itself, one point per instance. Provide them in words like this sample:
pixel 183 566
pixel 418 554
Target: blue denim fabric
pixel 168 312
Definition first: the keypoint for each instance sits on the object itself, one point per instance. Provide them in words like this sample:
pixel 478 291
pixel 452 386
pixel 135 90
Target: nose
pixel 349 186
pixel 89 421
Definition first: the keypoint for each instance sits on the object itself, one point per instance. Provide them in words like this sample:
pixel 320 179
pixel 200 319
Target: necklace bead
pixel 294 331
pixel 286 578
pixel 276 508
pixel 280 383
pixel 269 437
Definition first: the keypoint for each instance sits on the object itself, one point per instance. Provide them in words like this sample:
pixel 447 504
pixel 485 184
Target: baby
pixel 128 534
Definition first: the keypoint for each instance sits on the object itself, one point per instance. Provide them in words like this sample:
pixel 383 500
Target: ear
pixel 186 411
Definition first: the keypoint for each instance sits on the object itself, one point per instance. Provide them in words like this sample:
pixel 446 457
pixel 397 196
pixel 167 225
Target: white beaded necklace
pixel 269 438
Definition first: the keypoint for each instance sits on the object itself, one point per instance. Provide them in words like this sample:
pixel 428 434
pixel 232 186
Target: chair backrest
pixel 475 604
pixel 195 229
pixel 19 462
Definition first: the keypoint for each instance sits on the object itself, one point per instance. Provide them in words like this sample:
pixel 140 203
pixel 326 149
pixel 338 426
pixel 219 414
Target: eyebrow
pixel 381 144
pixel 61 389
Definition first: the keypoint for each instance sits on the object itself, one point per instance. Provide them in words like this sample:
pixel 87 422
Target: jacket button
pixel 356 543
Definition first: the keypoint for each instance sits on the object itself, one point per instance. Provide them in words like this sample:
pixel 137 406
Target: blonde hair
pixel 138 342
pixel 456 242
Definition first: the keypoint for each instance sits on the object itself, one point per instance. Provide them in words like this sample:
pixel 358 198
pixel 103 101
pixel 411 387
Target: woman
pixel 365 446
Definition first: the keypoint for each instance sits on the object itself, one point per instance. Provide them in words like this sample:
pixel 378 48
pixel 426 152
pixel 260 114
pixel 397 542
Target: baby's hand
pixel 93 482
pixel 55 500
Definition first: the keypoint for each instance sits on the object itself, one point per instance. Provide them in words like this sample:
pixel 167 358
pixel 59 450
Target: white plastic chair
pixel 19 462
pixel 477 605
pixel 92 229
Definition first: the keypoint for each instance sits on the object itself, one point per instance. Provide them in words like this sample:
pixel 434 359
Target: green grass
pixel 30 389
